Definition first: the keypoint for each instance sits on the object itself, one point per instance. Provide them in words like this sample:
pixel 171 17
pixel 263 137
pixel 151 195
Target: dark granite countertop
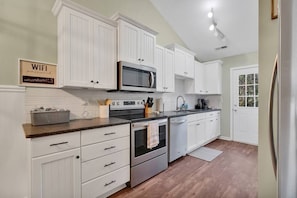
pixel 74 125
pixel 83 124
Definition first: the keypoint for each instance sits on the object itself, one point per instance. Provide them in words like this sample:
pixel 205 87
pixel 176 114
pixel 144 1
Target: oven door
pixel 139 151
pixel 134 77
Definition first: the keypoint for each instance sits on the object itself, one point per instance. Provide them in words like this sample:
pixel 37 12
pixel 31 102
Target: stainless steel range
pixel 145 162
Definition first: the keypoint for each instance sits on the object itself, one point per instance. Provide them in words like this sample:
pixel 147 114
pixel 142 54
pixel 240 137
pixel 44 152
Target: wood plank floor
pixel 233 174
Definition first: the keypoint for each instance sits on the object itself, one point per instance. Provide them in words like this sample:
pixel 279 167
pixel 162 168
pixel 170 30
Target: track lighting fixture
pixel 213 26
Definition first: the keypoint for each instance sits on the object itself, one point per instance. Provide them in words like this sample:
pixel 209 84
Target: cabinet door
pixel 180 62
pixel 147 48
pixel 199 78
pixel 189 66
pixel 128 42
pixel 77 49
pixel 213 78
pixel 200 132
pixel 168 71
pixel 104 73
pixel 57 175
pixel 218 125
pixel 159 63
pixel 191 137
pixel 210 128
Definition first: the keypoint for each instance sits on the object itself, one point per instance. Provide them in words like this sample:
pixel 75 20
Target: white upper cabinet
pixel 213 77
pixel 164 62
pixel 136 42
pixel 208 79
pixel 86 47
pixel 184 61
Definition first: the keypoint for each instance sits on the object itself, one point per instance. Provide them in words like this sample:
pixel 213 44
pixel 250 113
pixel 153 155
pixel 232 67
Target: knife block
pixel 147 109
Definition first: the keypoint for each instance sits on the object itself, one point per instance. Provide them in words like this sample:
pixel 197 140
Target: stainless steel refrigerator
pixel 286 147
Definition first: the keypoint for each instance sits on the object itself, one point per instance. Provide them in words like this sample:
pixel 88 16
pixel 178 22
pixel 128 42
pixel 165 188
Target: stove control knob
pixel 118 103
pixel 113 103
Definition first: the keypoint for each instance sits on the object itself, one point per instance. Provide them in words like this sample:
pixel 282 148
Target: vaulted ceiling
pixel 236 19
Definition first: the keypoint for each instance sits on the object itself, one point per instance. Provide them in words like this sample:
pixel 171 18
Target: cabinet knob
pixel 139 59
pixel 97 82
pixel 142 59
pixel 92 81
pixel 77 157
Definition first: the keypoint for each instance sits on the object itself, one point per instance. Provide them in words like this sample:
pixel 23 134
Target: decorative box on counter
pixel 42 116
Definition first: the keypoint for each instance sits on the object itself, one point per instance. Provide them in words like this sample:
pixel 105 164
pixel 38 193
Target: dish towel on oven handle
pixel 152 134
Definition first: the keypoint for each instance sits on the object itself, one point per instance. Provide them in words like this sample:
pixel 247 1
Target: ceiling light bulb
pixel 211 27
pixel 210 14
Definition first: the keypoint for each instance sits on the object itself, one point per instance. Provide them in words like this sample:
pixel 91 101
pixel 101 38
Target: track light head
pixel 210 13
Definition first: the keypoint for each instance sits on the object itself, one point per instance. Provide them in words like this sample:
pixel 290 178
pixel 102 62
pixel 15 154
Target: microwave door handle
pixel 151 79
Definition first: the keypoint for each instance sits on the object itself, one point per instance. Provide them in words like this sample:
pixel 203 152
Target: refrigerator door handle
pixel 271 136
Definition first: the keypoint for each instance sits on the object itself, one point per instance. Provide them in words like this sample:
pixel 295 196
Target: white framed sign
pixel 37 74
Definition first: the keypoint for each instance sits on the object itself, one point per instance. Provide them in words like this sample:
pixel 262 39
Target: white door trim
pixel 231 93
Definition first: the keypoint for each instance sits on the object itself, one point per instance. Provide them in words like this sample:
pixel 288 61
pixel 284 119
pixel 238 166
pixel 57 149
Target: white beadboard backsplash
pixel 82 103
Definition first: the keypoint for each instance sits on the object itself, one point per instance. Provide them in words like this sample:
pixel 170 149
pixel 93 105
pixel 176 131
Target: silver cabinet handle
pixel 108 148
pixel 107 184
pixel 56 144
pixel 111 133
pixel 271 138
pixel 111 163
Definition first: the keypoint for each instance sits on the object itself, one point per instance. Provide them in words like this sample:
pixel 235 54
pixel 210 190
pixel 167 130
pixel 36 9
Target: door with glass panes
pixel 245 104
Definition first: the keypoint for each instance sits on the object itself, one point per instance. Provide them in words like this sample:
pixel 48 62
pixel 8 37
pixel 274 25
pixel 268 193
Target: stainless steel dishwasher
pixel 177 137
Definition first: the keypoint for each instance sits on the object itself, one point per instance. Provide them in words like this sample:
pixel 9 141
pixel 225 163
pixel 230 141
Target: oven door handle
pixel 145 124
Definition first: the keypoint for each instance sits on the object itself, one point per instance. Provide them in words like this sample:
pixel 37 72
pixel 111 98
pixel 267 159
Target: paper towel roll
pixel 159 104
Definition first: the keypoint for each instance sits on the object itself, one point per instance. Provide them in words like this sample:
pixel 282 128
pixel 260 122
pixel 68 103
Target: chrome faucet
pixel 177 108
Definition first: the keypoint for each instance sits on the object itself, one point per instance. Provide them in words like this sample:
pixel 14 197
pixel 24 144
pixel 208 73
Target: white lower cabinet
pixel 56 174
pixel 202 129
pixel 89 163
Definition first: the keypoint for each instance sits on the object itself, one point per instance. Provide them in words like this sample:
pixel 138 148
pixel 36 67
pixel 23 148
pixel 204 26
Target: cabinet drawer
pixel 106 133
pixel 100 166
pixel 212 114
pixel 55 143
pixel 195 117
pixel 101 185
pixel 104 148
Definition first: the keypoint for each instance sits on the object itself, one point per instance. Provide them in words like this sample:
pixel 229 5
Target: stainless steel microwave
pixel 133 77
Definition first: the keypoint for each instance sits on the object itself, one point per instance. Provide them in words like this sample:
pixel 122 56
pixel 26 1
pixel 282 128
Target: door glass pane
pixel 241 80
pixel 250 79
pixel 256 90
pixel 250 101
pixel 241 101
pixel 250 90
pixel 256 103
pixel 256 78
pixel 241 90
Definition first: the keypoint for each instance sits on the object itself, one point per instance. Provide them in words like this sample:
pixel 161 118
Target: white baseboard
pixel 225 138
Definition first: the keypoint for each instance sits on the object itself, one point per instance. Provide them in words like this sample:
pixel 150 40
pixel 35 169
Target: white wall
pixel 13 144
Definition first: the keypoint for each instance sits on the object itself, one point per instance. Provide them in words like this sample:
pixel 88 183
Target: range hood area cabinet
pixel 184 61
pixel 86 47
pixel 208 79
pixel 136 42
pixel 164 63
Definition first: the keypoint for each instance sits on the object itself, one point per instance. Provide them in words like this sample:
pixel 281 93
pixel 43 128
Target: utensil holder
pixel 103 111
pixel 148 109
